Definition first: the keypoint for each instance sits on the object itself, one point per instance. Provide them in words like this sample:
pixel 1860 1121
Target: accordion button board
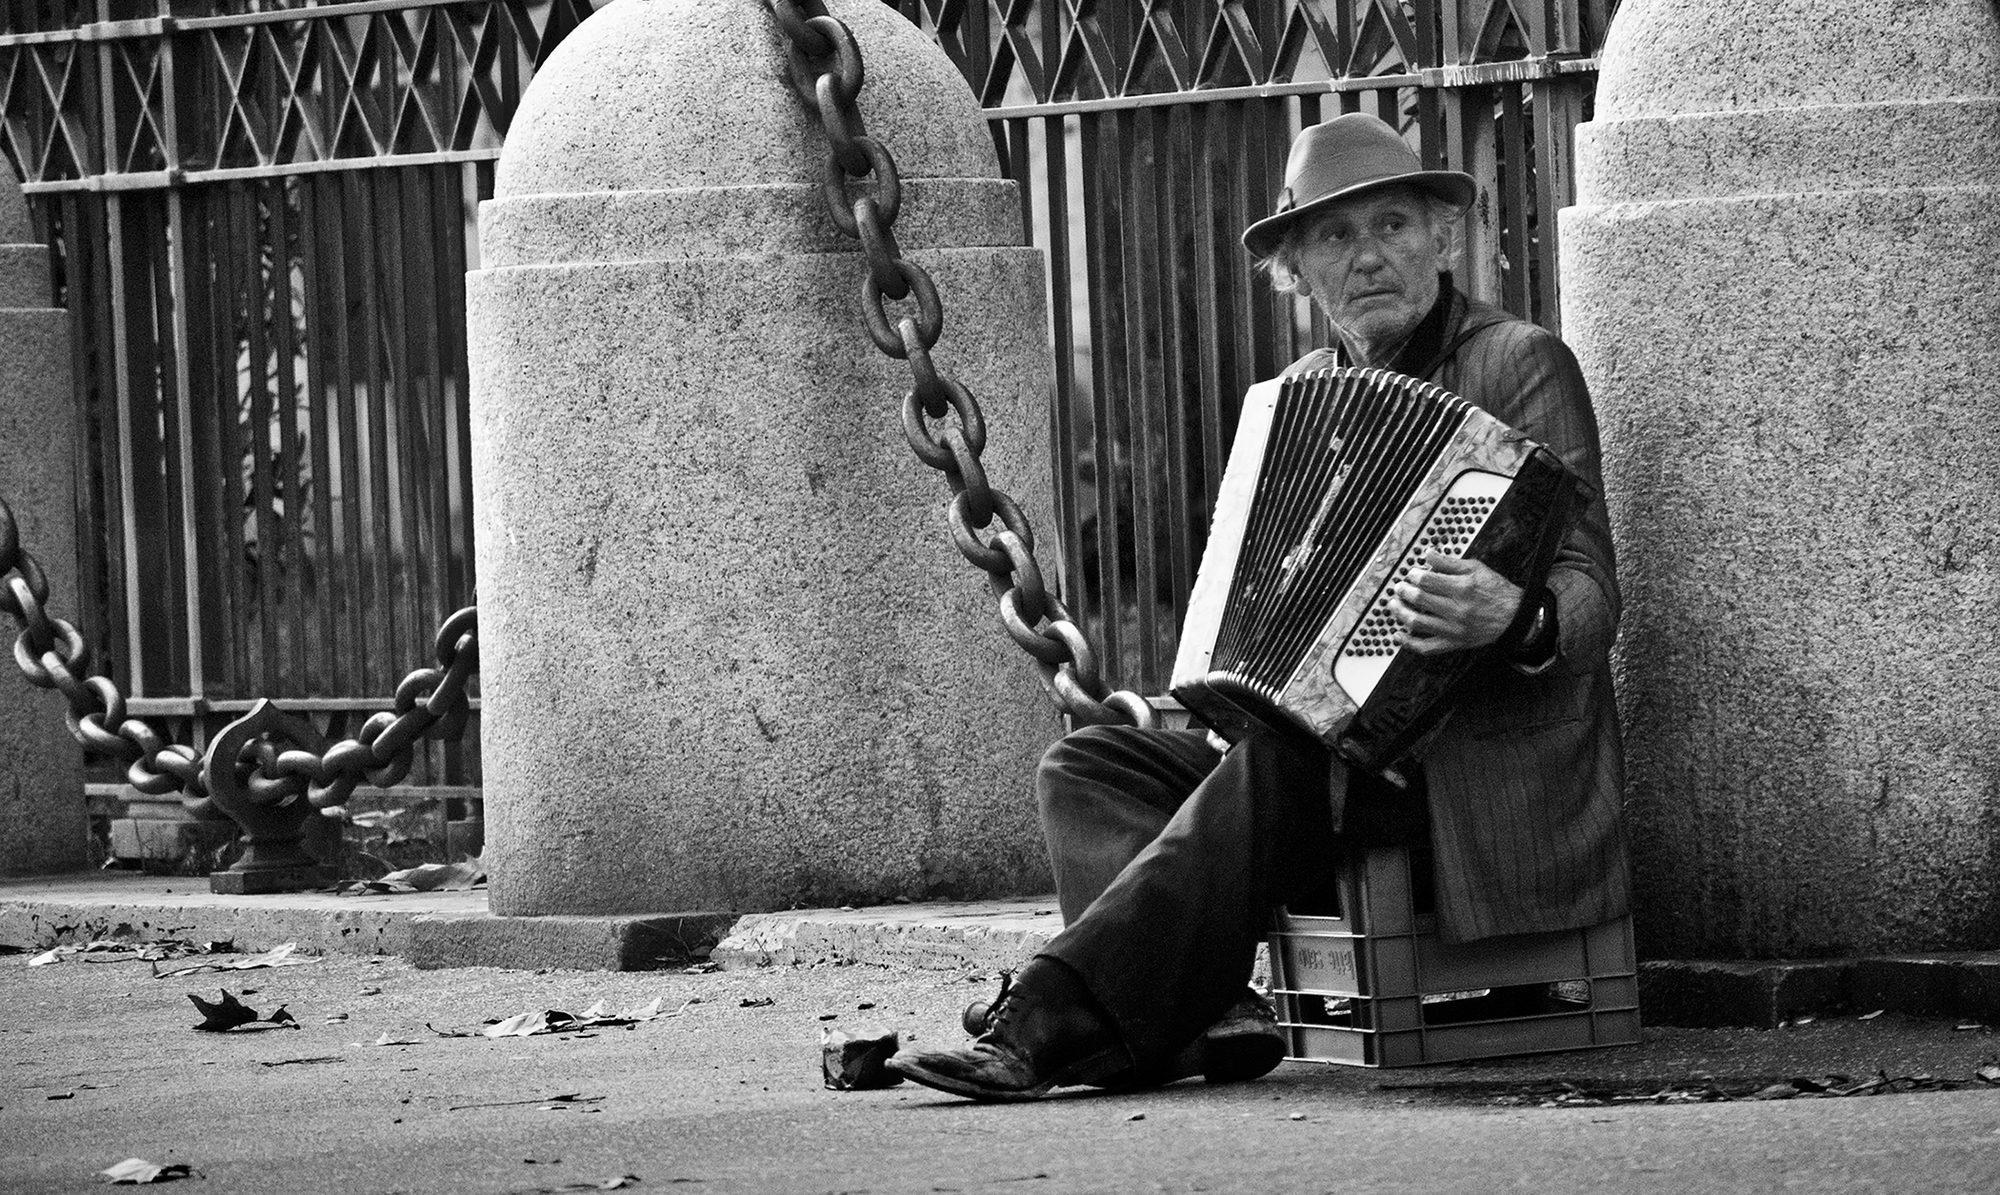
pixel 1449 531
pixel 1339 482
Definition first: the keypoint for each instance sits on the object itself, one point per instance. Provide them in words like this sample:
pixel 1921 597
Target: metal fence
pixel 261 213
pixel 262 216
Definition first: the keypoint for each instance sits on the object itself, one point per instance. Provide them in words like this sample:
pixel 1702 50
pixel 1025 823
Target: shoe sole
pixel 1239 1058
pixel 1090 1070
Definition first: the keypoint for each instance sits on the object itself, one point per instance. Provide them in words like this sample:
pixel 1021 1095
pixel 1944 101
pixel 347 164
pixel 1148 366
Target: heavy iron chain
pixel 430 703
pixel 941 419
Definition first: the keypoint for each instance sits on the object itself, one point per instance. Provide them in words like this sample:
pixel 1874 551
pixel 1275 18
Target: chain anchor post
pixel 274 813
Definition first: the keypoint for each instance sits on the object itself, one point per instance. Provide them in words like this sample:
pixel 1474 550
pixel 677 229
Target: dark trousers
pixel 1169 857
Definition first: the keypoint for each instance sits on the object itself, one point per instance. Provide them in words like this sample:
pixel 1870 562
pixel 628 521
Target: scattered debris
pixel 554 1020
pixel 1703 1089
pixel 139 1170
pixel 230 1013
pixel 118 950
pixel 278 956
pixel 572 1097
pixel 1137 1116
pixel 758 1001
pixel 852 1059
pixel 702 968
pixel 1869 1016
pixel 386 1040
pixel 304 1061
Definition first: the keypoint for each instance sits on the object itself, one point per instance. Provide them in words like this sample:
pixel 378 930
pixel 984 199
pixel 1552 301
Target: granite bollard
pixel 1779 277
pixel 730 658
pixel 41 767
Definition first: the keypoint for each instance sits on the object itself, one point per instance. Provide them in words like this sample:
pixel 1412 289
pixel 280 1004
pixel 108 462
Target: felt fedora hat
pixel 1344 157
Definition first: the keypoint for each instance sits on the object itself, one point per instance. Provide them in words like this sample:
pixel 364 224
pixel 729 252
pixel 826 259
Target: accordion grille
pixel 1346 451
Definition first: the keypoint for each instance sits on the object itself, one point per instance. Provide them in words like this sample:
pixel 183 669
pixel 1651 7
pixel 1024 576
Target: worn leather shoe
pixel 1044 1031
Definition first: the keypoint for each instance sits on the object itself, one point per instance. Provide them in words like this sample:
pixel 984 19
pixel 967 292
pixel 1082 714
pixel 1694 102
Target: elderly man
pixel 1169 855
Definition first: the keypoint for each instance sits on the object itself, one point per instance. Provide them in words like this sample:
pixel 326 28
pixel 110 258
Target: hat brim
pixel 1452 186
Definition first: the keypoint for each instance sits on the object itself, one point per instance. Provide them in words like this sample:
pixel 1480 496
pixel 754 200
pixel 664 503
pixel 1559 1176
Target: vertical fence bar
pixel 321 560
pixel 294 618
pixel 1107 369
pixel 346 423
pixel 1518 203
pixel 1140 384
pixel 1063 439
pixel 1181 371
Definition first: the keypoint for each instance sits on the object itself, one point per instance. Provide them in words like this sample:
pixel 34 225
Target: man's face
pixel 1371 262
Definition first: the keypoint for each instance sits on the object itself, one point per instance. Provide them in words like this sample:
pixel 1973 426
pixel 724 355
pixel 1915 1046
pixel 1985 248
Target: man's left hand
pixel 1449 604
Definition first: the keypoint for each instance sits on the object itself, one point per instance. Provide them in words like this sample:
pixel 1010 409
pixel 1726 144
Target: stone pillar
pixel 730 658
pixel 43 826
pixel 1780 278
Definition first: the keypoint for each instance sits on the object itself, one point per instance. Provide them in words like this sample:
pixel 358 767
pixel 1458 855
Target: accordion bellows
pixel 1338 483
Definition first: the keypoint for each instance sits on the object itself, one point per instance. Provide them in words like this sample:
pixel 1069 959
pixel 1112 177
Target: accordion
pixel 1338 483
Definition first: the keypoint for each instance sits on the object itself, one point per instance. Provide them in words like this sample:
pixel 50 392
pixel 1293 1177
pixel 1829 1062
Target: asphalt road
pixel 100 1063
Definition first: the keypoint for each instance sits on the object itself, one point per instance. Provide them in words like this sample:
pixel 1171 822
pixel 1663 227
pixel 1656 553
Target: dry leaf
pixel 278 956
pixel 46 957
pixel 139 1170
pixel 619 1183
pixel 224 1015
pixel 524 1024
pixel 1869 1016
pixel 386 1040
pixel 231 1013
pixel 439 877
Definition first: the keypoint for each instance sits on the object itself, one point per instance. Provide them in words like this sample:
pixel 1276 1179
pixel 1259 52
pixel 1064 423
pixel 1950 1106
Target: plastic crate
pixel 1372 985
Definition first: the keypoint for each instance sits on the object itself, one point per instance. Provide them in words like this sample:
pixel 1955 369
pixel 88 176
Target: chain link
pixel 863 196
pixel 430 703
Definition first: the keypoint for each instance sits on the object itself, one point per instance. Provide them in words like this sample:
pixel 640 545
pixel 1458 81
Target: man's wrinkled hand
pixel 1448 604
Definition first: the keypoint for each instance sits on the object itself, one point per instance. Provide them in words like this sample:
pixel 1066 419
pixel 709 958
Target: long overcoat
pixel 1525 779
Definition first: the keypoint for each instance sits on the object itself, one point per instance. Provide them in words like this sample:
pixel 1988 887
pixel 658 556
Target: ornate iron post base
pixel 274 813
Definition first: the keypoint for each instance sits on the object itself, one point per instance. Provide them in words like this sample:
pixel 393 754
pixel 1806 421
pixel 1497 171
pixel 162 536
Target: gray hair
pixel 1282 262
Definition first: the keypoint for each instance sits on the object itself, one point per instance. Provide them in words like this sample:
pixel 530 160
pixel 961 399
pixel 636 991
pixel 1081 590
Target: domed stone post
pixel 730 658
pixel 43 826
pixel 1780 278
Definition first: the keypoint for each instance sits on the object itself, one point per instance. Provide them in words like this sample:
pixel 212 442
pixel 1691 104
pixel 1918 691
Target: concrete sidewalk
pixel 456 929
pixel 389 1085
